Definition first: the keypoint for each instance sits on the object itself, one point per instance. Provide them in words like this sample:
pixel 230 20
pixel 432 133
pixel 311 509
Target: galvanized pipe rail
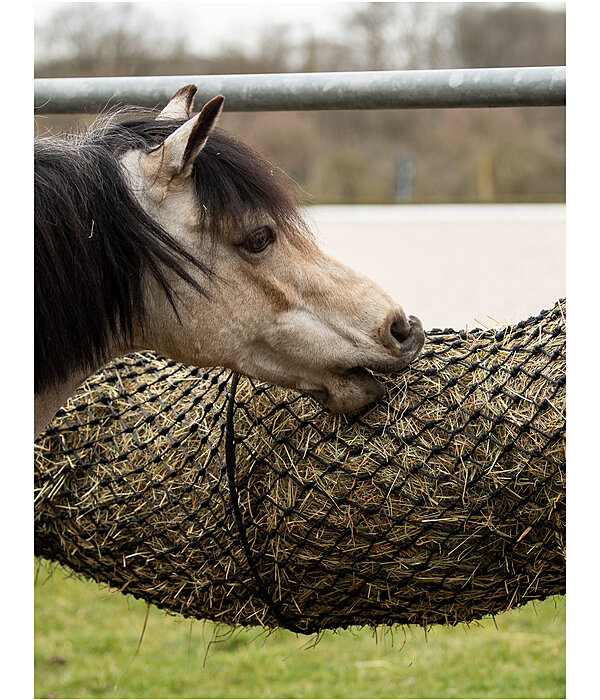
pixel 409 89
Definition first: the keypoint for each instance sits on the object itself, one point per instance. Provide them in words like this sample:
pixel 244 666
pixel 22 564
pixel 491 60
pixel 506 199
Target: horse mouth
pixel 349 391
pixel 356 387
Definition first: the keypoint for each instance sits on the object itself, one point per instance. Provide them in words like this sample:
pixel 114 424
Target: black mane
pixel 94 244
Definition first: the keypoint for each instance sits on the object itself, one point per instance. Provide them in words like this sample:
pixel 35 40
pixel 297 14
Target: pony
pixel 163 232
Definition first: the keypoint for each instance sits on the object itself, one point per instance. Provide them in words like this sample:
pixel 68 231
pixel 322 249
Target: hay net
pixel 215 496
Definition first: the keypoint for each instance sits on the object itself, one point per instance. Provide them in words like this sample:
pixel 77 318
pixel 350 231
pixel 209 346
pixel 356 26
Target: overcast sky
pixel 209 24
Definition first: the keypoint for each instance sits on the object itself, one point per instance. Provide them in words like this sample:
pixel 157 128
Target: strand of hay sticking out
pixel 443 503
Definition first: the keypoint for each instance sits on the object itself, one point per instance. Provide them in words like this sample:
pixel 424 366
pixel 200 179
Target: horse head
pixel 274 306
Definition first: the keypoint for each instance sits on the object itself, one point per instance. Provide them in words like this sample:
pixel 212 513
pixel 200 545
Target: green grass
pixel 86 640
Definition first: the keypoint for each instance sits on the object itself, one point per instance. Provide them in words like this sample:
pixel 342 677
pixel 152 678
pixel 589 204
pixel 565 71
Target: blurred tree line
pixel 444 155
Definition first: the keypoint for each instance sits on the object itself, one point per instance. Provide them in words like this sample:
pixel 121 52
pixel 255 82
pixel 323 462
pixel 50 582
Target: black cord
pixel 230 469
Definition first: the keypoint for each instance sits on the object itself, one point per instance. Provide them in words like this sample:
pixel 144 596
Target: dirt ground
pixel 454 265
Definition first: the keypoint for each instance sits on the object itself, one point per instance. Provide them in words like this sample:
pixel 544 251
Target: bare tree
pixel 103 39
pixel 372 29
pixel 508 34
pixel 396 35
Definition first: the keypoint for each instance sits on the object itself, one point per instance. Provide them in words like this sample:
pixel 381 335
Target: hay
pixel 441 504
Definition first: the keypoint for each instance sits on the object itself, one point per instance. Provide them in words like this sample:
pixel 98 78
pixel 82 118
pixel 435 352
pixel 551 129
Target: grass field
pixel 86 640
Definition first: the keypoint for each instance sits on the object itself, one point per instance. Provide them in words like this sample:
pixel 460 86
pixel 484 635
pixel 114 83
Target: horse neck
pixel 48 403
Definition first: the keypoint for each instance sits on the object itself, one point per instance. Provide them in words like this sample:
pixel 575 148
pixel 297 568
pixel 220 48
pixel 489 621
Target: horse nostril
pixel 400 328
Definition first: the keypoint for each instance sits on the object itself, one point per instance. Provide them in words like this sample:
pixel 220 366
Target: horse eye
pixel 258 240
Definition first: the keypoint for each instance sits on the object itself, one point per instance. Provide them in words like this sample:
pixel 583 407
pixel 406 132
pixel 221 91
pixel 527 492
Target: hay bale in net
pixel 219 497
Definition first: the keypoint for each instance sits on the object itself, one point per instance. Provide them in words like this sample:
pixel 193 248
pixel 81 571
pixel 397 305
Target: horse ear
pixel 180 105
pixel 182 147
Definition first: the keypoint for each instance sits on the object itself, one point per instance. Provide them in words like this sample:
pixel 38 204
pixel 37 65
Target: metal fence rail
pixel 480 87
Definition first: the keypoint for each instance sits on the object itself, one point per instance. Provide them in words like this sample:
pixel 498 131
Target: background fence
pixel 488 87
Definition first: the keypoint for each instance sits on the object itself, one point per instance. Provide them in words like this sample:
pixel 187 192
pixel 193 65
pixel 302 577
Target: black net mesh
pixel 219 497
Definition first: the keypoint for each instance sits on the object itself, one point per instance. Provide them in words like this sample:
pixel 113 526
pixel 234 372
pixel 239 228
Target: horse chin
pixel 350 391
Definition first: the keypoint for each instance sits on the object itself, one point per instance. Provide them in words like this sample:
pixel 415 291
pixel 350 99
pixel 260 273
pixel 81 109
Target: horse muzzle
pixel 408 345
pixel 356 387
